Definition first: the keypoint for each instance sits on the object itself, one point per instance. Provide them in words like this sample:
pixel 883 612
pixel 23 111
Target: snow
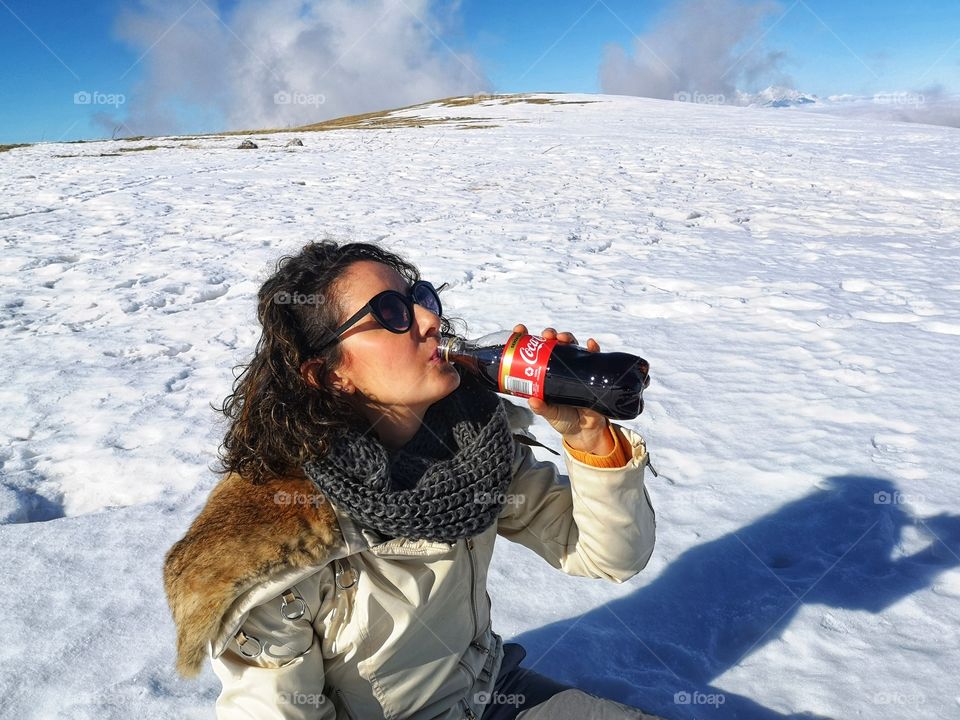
pixel 792 278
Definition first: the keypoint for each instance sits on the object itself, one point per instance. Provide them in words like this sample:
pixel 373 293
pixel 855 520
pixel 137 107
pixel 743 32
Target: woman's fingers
pixel 550 333
pixel 564 337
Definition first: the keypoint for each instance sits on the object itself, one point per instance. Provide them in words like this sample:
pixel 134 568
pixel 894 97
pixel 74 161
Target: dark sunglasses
pixel 393 310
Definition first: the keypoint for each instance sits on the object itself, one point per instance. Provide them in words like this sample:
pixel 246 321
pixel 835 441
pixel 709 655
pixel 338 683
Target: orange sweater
pixel 618 457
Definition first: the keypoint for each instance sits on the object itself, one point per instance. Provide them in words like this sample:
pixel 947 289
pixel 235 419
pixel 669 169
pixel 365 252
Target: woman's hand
pixel 582 429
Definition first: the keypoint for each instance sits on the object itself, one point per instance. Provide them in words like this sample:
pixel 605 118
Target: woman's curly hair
pixel 277 421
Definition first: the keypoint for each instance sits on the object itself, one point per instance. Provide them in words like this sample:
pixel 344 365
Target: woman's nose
pixel 427 321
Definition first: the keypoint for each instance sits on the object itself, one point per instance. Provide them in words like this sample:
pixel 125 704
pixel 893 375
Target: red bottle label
pixel 523 366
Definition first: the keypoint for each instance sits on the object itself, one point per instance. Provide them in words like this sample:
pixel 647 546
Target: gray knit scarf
pixel 448 482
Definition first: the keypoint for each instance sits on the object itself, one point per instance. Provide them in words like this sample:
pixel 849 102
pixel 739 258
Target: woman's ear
pixel 310 372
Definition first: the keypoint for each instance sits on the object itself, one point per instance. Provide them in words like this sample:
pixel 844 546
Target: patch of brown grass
pixel 463 101
pixel 386 119
pixel 505 100
pixel 378 120
pixel 545 101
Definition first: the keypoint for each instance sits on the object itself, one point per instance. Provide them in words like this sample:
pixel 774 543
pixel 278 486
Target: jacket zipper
pixel 343 703
pixel 469 714
pixel 473 589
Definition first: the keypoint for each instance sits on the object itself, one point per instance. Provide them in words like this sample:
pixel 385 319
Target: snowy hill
pixel 793 278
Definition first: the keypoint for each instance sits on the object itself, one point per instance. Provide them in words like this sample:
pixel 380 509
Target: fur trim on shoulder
pixel 244 535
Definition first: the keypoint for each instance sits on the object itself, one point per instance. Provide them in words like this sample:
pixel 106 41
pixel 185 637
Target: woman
pixel 338 570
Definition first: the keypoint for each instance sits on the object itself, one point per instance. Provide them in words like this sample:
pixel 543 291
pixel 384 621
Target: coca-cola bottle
pixel 611 383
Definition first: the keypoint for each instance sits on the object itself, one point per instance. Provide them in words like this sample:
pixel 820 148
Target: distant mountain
pixel 776 96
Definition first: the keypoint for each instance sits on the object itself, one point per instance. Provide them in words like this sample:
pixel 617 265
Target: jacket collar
pixel 359 539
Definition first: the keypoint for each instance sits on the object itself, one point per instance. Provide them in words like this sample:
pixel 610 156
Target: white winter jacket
pixel 306 615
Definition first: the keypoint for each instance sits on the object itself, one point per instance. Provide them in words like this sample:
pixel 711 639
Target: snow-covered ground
pixel 793 278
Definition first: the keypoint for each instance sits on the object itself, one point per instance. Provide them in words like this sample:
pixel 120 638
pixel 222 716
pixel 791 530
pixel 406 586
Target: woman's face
pixel 391 377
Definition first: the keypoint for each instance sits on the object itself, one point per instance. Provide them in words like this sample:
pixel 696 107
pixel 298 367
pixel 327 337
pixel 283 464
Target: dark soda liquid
pixel 610 383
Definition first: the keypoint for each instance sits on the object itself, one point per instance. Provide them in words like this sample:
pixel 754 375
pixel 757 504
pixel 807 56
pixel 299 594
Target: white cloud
pixel 287 62
pixel 930 105
pixel 698 47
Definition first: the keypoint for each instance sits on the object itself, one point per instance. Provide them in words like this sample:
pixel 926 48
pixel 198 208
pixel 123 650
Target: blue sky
pixel 50 50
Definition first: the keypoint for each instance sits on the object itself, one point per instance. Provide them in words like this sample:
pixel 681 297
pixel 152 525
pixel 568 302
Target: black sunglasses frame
pixel 373 308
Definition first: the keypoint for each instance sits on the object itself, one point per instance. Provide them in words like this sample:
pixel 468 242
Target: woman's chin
pixel 452 378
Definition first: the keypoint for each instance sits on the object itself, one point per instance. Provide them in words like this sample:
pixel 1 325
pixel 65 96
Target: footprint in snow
pixel 211 293
pixel 175 384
